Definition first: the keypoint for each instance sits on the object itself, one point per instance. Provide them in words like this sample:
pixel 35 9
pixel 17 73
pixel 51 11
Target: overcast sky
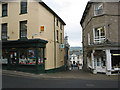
pixel 71 12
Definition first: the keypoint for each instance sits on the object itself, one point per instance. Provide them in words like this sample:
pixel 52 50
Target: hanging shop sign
pixel 62 46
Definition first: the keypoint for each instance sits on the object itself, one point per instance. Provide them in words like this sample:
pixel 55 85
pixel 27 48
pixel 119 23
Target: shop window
pixel 4 9
pixel 32 56
pixel 4 31
pixel 23 29
pixel 23 6
pixel 98 9
pixel 40 56
pixel 103 61
pixel 23 57
pixel 27 56
pixel 5 56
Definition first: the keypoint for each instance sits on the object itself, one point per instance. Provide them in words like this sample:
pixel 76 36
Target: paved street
pixel 66 79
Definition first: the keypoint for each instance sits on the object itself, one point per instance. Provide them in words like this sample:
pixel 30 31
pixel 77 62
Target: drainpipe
pixel 54 45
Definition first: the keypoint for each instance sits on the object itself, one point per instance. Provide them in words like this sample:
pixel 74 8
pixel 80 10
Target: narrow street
pixel 66 79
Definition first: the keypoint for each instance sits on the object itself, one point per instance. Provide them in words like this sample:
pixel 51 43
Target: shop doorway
pixel 100 64
pixel 13 57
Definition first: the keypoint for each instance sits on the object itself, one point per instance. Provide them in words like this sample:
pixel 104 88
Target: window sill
pixel 5 16
pixel 23 13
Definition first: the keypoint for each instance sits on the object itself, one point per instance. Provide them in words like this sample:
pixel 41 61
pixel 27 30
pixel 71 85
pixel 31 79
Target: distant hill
pixel 75 48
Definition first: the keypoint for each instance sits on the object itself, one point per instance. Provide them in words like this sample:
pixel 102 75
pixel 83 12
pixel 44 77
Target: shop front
pixel 24 55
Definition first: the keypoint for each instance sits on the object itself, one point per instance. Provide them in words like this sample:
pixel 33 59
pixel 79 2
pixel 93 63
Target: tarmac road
pixel 14 81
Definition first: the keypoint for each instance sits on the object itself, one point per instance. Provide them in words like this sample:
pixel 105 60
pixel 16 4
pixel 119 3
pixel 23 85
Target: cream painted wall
pixel 37 15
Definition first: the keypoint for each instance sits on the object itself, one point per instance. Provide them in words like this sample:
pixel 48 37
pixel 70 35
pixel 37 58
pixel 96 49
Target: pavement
pixel 73 74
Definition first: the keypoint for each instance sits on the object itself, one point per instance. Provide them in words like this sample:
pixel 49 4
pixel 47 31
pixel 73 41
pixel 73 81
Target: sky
pixel 71 12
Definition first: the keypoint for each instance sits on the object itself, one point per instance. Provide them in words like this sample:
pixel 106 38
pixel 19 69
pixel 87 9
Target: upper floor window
pixel 23 6
pixel 61 37
pixel 98 9
pixel 23 29
pixel 57 36
pixel 99 35
pixel 88 39
pixel 57 22
pixel 61 26
pixel 4 9
pixel 4 31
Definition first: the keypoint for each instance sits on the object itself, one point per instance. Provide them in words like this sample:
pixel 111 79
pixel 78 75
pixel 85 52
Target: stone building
pixel 31 35
pixel 100 30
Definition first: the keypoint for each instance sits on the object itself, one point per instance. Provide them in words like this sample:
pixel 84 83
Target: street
pixel 12 81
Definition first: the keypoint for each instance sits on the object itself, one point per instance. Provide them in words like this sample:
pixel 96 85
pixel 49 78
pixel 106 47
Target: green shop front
pixel 24 55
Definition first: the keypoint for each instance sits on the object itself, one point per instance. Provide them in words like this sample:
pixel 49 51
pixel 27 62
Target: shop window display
pixel 40 57
pixel 23 57
pixel 32 56
pixel 4 57
pixel 27 56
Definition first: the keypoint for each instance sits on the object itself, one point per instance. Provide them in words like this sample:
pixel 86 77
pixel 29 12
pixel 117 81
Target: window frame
pixel 61 38
pixel 60 26
pixel 6 10
pixel 98 9
pixel 57 36
pixel 94 37
pixel 21 37
pixel 23 7
pixel 57 23
pixel 6 31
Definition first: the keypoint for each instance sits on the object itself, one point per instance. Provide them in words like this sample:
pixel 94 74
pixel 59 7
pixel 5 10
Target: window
pixel 23 29
pixel 23 59
pixel 98 9
pixel 99 36
pixel 27 56
pixel 4 9
pixel 57 22
pixel 78 57
pixel 61 37
pixel 40 56
pixel 23 6
pixel 61 26
pixel 57 36
pixel 88 39
pixel 73 58
pixel 4 31
pixel 4 56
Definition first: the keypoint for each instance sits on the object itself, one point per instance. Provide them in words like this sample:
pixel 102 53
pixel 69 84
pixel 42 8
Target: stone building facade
pixel 100 30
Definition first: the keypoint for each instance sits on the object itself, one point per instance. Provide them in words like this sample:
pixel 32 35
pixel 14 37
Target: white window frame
pixel 88 39
pixel 99 9
pixel 100 37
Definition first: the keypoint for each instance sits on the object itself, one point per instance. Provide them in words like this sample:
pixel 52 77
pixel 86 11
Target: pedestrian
pixel 78 65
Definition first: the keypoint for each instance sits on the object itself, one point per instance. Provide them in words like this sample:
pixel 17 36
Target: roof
pixel 49 9
pixel 86 11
